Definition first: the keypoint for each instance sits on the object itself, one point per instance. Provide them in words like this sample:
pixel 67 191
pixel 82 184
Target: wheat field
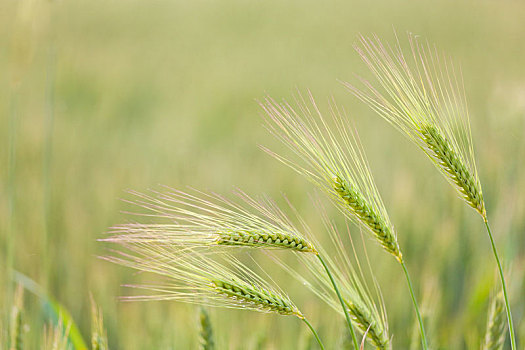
pixel 101 100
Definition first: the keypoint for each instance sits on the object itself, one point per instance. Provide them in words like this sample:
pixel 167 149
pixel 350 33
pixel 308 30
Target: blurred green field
pixel 99 97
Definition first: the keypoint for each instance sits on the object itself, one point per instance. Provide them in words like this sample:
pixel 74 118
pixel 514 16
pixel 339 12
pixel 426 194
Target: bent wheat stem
pixel 504 287
pixel 343 304
pixel 314 333
pixel 419 318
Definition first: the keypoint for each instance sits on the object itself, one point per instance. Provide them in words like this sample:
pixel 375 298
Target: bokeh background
pixel 99 97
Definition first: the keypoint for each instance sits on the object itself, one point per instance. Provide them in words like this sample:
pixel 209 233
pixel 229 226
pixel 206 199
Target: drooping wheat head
pixel 423 97
pixel 496 324
pixel 333 159
pixel 205 220
pixel 217 280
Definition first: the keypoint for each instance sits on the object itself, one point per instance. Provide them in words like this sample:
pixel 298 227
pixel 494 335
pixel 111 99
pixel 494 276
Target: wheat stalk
pixel 366 322
pixel 368 315
pixel 496 324
pixel 251 294
pixel 334 161
pixel 205 221
pixel 451 163
pixel 215 280
pixel 202 220
pixel 268 240
pixel 201 278
pixel 424 99
pixel 359 206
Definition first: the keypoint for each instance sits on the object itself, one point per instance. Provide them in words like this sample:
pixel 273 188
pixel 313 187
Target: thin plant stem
pixel 419 319
pixel 347 316
pixel 314 333
pixel 504 287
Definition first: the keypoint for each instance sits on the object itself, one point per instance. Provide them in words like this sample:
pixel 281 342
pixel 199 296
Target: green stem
pixel 315 333
pixel 420 320
pixel 504 286
pixel 348 321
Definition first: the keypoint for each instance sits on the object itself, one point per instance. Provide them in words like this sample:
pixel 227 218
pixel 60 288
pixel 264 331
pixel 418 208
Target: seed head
pixel 201 278
pixel 201 220
pixel 367 311
pixel 333 159
pixel 421 95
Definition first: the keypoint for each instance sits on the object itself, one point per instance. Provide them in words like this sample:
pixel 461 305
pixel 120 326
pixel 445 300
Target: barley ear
pixel 276 239
pixel 200 220
pixel 422 95
pixel 260 298
pixel 377 224
pixel 333 159
pixel 363 318
pixel 453 167
pixel 206 331
pixel 496 324
pixel 361 308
